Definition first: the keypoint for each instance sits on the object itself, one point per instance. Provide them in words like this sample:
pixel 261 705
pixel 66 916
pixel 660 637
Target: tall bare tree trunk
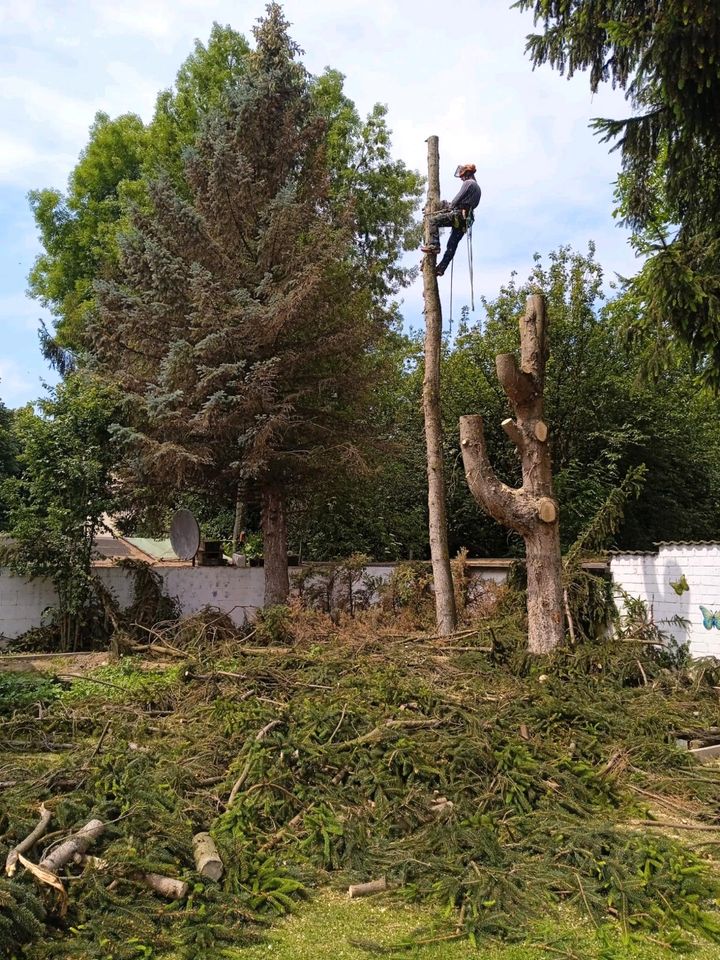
pixel 442 577
pixel 531 510
pixel 274 529
pixel 240 514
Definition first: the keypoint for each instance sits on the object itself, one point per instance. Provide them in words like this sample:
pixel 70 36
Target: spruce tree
pixel 666 55
pixel 239 323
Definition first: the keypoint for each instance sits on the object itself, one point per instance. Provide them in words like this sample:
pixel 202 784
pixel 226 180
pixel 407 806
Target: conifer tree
pixel 239 323
pixel 666 55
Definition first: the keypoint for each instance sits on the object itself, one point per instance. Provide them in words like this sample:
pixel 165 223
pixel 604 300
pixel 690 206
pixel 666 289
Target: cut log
pixel 367 889
pixel 77 843
pixel 29 841
pixel 207 858
pixel 167 887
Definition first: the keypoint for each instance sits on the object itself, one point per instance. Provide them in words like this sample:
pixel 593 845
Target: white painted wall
pixel 236 591
pixel 648 576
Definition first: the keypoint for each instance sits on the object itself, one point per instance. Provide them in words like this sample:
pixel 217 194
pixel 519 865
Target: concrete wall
pixel 237 591
pixel 649 577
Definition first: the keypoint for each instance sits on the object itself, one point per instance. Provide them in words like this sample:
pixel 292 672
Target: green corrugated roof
pixel 157 549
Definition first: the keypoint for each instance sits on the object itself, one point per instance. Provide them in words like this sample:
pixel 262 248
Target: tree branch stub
pixel 519 386
pixel 515 433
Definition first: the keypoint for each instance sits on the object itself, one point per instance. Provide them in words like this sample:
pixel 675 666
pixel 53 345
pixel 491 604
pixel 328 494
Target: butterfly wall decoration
pixel 680 586
pixel 710 619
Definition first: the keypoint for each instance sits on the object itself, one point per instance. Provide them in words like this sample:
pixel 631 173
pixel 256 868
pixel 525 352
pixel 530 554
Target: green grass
pixel 326 927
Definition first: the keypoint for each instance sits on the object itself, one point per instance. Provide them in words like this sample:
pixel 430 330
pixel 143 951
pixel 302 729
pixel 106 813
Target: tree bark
pixel 29 841
pixel 274 529
pixel 77 843
pixel 207 859
pixel 240 514
pixel 531 510
pixel 442 576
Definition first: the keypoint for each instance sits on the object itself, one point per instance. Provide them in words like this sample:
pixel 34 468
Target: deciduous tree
pixel 56 503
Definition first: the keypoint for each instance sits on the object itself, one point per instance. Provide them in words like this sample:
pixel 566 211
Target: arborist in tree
pixel 457 214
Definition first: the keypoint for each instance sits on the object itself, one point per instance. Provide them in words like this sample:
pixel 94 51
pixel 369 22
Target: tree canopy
pixel 666 55
pixel 62 488
pixel 239 320
pixel 79 229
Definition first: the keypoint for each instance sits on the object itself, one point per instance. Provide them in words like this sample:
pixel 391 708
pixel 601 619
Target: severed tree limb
pixel 515 433
pixel 77 843
pixel 260 735
pixel 207 858
pixel 367 889
pixel 167 887
pixel 29 841
pixel 501 501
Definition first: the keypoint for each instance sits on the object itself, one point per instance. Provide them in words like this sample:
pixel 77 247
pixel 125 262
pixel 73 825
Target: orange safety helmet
pixel 465 169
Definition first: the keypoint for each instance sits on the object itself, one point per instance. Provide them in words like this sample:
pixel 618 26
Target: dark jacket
pixel 468 196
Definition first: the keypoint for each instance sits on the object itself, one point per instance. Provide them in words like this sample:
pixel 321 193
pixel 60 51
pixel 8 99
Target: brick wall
pixel 648 576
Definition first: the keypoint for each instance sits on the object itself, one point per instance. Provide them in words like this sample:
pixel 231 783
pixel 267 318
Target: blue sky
pixel 546 179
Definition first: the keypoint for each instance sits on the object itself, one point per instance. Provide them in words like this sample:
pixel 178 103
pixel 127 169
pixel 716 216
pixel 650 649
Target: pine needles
pixel 469 779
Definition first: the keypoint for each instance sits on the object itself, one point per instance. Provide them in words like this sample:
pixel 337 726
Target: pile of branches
pixel 316 753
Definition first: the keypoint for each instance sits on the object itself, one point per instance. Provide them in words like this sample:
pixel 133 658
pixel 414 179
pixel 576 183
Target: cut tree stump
pixel 531 510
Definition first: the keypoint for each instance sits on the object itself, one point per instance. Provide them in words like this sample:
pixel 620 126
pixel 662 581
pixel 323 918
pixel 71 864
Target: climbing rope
pixel 452 265
pixel 470 267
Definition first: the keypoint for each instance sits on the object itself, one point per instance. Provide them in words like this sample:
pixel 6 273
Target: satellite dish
pixel 184 534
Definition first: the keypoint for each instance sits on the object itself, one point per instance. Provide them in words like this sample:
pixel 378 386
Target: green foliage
pixel 81 229
pixel 605 419
pixel 8 457
pixel 18 691
pixel 125 682
pixel 667 58
pixel 55 505
pixel 21 917
pixel 495 795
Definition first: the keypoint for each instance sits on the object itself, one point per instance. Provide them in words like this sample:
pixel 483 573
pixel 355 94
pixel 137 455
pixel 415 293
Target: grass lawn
pixel 326 927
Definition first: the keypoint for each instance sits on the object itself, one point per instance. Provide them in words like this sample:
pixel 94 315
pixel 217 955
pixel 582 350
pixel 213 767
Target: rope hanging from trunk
pixel 470 268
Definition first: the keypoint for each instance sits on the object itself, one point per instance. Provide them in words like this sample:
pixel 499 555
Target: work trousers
pixel 448 218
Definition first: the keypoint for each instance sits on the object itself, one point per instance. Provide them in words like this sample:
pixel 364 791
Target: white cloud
pixel 461 74
pixel 24 164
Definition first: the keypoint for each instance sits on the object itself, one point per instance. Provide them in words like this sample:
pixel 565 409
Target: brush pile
pixel 318 753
